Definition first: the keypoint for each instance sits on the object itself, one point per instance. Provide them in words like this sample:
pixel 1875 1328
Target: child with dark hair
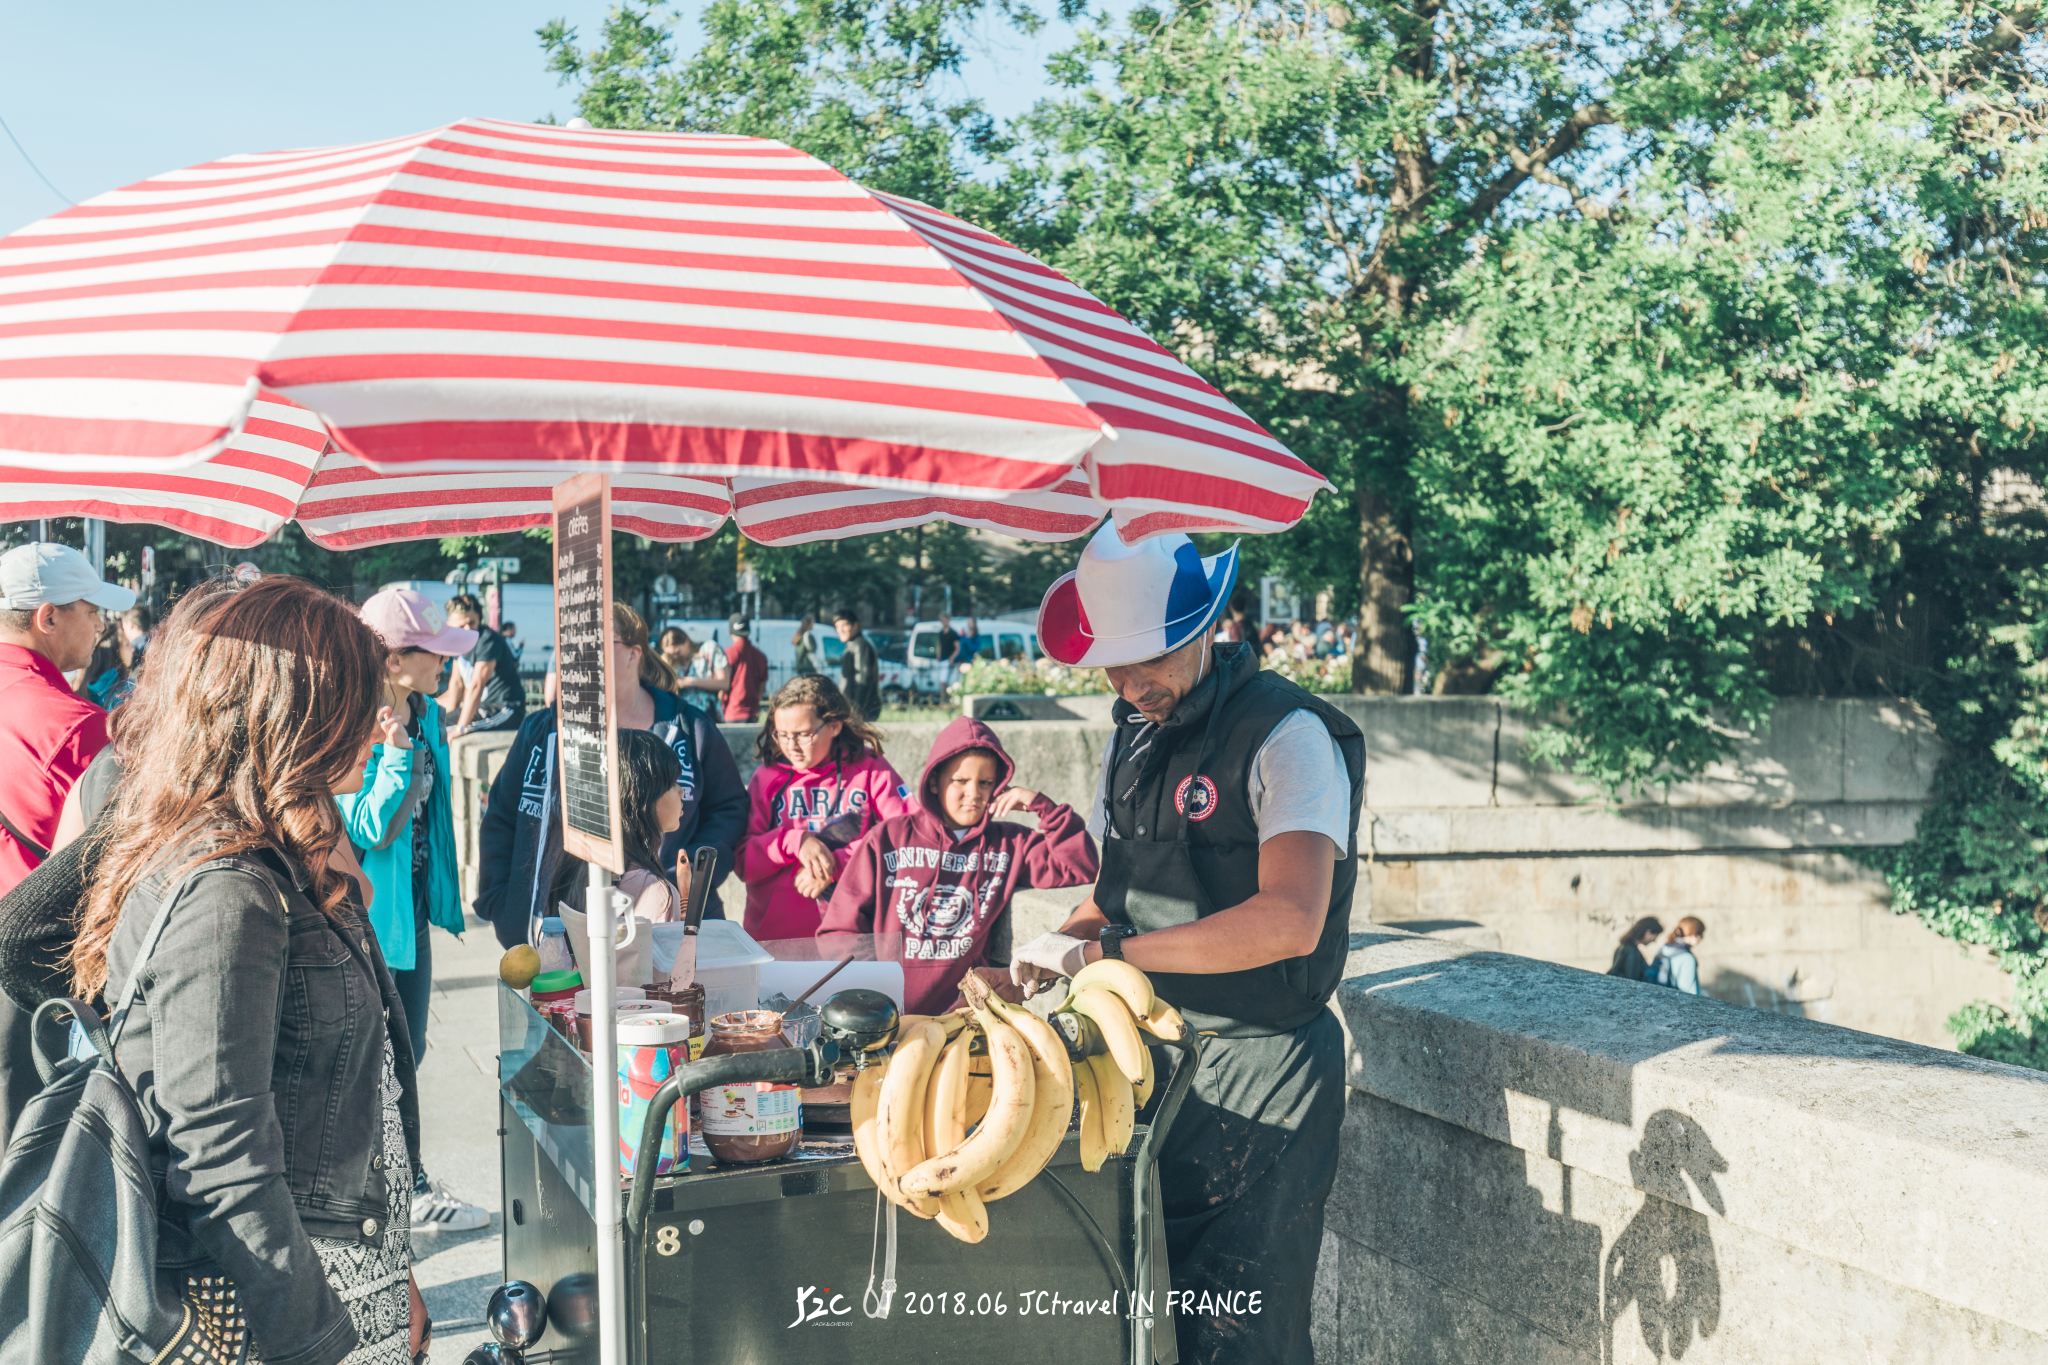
pixel 650 809
pixel 820 765
pixel 941 876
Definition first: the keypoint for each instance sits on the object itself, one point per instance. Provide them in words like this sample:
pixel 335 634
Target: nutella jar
pixel 751 1120
pixel 688 1002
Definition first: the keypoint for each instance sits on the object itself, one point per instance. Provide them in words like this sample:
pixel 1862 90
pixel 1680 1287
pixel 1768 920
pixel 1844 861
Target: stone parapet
pixel 1541 1164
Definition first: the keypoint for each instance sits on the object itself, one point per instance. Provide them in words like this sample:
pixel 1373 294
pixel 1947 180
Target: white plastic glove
pixel 1046 959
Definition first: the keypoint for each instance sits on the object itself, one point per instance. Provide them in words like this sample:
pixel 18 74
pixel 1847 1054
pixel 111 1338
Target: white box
pixel 729 963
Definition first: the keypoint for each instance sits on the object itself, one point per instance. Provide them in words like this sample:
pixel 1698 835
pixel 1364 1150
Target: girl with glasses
pixel 822 782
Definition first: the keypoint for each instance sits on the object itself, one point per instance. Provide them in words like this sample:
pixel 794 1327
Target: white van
pixel 997 639
pixel 776 638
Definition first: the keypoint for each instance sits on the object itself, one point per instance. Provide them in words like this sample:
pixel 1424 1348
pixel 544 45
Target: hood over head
pixel 958 737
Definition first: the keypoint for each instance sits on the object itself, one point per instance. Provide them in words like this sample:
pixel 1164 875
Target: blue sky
pixel 103 95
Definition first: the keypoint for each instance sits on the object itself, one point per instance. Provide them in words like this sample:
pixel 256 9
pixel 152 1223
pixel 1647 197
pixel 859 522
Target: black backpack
pixel 79 1208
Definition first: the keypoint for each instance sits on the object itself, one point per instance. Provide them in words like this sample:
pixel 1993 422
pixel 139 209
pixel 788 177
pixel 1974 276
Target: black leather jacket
pixel 256 1048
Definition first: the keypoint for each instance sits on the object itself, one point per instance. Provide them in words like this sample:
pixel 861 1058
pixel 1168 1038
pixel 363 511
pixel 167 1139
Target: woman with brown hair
pixel 523 872
pixel 278 1099
pixel 820 765
pixel 1629 962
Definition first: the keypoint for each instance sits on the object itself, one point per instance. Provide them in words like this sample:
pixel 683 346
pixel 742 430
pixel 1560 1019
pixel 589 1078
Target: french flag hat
pixel 1125 604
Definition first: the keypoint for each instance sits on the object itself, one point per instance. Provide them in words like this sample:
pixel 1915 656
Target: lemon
pixel 518 967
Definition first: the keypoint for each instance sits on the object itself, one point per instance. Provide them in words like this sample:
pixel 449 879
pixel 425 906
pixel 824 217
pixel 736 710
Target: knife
pixel 683 971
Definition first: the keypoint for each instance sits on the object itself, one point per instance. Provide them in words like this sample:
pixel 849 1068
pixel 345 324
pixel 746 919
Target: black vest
pixel 1197 778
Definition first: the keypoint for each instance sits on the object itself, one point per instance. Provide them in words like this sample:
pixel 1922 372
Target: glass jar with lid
pixel 749 1121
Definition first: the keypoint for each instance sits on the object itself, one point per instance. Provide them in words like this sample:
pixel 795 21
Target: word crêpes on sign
pixel 588 731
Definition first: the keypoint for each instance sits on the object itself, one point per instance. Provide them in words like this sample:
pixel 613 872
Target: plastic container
pixel 625 1009
pixel 651 1047
pixel 729 963
pixel 554 998
pixel 553 947
pixel 751 1120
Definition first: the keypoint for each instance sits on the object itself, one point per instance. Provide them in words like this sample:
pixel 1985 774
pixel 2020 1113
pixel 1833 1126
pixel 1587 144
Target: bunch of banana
pixel 1112 1086
pixel 945 1132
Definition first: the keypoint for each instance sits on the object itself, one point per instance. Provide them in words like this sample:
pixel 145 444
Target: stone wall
pixel 1472 840
pixel 1542 1165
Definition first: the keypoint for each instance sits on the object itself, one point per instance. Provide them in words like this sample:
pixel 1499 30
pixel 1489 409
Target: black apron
pixel 1249 1163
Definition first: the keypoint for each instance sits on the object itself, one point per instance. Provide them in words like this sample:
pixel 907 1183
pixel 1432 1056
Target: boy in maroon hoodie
pixel 940 877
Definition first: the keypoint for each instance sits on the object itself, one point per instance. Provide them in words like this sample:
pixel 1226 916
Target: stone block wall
pixel 1540 1165
pixel 1471 839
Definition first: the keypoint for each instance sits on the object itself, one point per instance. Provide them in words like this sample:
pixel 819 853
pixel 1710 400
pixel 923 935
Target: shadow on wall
pixel 1475 1218
pixel 1663 1261
pixel 1740 988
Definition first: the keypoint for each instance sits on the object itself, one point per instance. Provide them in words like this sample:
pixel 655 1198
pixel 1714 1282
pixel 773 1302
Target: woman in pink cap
pixel 403 827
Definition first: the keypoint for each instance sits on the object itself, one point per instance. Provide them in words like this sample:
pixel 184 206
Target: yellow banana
pixel 1145 1082
pixel 1052 1104
pixel 980 1087
pixel 865 1100
pixel 1009 1109
pixel 900 1114
pixel 1164 1021
pixel 1093 1150
pixel 945 1097
pixel 1119 978
pixel 1119 1104
pixel 952 1022
pixel 962 1214
pixel 1119 1030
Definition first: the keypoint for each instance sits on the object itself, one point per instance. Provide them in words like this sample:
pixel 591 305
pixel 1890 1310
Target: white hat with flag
pixel 1125 604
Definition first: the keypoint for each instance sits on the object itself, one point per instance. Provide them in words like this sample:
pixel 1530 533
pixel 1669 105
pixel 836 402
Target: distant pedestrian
pixel 510 631
pixel 949 654
pixel 50 604
pixel 746 673
pixel 697 682
pixel 860 671
pixel 492 696
pixel 806 648
pixel 136 624
pixel 104 680
pixel 1676 966
pixel 1629 961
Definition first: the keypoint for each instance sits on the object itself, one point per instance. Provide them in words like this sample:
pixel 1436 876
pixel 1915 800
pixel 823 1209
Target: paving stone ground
pixel 459 1143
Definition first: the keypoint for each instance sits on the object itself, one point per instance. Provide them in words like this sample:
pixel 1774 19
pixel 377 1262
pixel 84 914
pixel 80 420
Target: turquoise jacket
pixel 384 818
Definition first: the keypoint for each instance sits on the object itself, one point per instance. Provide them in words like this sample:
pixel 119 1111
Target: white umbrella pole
pixel 604 1098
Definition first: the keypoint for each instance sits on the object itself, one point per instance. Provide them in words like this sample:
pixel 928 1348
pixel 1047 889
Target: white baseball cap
pixel 41 573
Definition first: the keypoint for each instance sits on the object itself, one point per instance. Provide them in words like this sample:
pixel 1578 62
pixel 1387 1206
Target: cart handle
pixel 1189 1045
pixel 810 1066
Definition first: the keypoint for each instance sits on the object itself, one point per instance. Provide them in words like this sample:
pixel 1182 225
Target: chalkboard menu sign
pixel 587 730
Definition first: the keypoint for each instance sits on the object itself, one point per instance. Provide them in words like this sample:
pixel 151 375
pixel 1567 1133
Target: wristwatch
pixel 1111 939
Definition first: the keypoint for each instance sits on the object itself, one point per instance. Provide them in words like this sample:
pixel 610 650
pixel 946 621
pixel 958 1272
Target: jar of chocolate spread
pixel 749 1120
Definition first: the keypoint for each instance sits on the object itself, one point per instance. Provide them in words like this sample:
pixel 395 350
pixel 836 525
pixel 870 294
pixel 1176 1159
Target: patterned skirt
pixel 372 1280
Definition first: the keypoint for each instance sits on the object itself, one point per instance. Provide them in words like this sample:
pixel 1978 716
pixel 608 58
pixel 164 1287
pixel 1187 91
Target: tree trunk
pixel 1384 660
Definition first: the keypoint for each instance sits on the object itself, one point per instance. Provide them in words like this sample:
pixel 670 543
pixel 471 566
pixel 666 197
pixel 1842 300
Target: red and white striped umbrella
pixel 725 323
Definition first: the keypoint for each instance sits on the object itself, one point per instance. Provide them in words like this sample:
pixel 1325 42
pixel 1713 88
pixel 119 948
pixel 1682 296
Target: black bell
pixel 860 1021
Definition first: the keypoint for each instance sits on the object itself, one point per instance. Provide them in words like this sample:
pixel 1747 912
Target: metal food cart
pixel 744 1265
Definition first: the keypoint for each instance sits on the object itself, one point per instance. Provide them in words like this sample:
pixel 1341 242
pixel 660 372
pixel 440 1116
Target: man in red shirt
pixel 50 604
pixel 747 669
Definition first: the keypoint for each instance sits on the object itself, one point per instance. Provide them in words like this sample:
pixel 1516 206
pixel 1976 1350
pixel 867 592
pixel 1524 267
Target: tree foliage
pixel 1667 355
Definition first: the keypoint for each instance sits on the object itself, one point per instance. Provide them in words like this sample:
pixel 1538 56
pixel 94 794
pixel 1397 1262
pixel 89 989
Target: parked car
pixel 997 639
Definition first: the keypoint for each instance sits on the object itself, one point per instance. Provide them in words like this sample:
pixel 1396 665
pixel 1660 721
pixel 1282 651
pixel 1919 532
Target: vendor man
pixel 1227 816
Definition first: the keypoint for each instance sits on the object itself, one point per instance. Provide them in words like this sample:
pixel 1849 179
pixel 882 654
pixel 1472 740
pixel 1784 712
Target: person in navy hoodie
pixel 942 876
pixel 522 869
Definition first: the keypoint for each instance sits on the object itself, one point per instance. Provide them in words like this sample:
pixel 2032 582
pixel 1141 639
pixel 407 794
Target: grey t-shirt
pixel 1299 780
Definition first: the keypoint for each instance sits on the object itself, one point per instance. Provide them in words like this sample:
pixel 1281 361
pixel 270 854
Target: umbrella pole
pixel 604 1097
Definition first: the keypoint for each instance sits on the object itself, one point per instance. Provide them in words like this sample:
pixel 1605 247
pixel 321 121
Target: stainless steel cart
pixel 773 1263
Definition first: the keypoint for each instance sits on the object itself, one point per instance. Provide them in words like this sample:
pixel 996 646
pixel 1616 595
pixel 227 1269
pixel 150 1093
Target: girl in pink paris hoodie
pixel 940 876
pixel 819 767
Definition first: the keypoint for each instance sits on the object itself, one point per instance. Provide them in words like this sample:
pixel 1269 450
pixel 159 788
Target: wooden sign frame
pixel 586 728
